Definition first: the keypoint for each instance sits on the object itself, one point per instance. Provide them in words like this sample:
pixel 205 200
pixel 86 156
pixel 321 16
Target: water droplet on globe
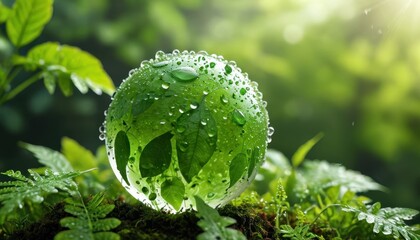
pixel 238 117
pixel 160 64
pixel 193 105
pixel 165 85
pixel 228 69
pixel 184 74
pixel 223 99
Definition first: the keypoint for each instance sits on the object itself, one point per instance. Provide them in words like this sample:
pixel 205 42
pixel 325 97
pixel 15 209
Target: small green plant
pixel 23 190
pixel 214 225
pixel 388 221
pixel 90 220
pixel 56 64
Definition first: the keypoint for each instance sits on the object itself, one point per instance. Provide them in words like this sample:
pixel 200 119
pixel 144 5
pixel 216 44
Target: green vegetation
pixel 73 194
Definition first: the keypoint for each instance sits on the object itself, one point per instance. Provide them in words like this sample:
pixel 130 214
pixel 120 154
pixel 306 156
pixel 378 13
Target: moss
pixel 139 221
pixel 46 228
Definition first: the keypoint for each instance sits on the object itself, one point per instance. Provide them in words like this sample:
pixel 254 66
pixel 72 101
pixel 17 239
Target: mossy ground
pixel 141 222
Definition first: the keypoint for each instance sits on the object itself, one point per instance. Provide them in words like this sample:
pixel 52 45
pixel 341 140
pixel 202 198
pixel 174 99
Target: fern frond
pixel 13 194
pixel 50 158
pixel 89 221
pixel 300 232
pixel 321 175
pixel 387 220
pixel 214 225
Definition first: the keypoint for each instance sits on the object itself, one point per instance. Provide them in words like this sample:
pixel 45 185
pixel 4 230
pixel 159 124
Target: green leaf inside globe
pixel 183 125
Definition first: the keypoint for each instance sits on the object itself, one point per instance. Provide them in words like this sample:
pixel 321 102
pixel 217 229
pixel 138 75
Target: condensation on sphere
pixel 186 124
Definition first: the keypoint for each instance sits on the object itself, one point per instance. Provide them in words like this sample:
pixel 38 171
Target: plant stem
pixel 20 88
pixel 323 210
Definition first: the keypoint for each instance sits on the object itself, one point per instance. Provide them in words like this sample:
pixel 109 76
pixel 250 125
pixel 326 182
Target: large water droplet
pixel 238 117
pixel 160 64
pixel 184 74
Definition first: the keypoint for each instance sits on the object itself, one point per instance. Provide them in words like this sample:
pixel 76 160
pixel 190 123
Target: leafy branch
pixel 89 221
pixel 387 220
pixel 14 194
pixel 214 225
pixel 56 64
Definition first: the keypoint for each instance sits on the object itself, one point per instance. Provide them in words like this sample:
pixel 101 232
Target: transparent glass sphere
pixel 183 125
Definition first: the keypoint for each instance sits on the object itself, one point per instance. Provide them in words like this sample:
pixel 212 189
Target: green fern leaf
pixel 50 158
pixel 320 175
pixel 70 64
pixel 4 12
pixel 300 232
pixel 387 220
pixel 89 221
pixel 27 20
pixel 214 225
pixel 13 194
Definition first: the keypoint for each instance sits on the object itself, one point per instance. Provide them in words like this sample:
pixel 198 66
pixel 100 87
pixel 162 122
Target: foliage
pixel 55 63
pixel 214 225
pixel 327 196
pixel 300 232
pixel 14 194
pixel 90 220
pixel 387 220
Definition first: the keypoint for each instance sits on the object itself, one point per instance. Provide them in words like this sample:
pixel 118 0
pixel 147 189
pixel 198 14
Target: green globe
pixel 186 124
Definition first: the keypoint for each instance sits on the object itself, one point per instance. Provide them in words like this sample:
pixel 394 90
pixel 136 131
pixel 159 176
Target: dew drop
pixel 160 64
pixel 131 72
pixel 180 129
pixel 102 129
pixel 165 85
pixel 211 134
pixel 152 196
pixel 223 99
pixel 210 195
pixel 184 74
pixel 242 91
pixel 145 190
pixel 238 117
pixel 183 146
pixel 102 136
pixel 212 64
pixel 270 131
pixel 159 54
pixel 193 105
pixel 228 69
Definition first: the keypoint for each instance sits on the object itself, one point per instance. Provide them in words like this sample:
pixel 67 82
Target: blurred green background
pixel 348 68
